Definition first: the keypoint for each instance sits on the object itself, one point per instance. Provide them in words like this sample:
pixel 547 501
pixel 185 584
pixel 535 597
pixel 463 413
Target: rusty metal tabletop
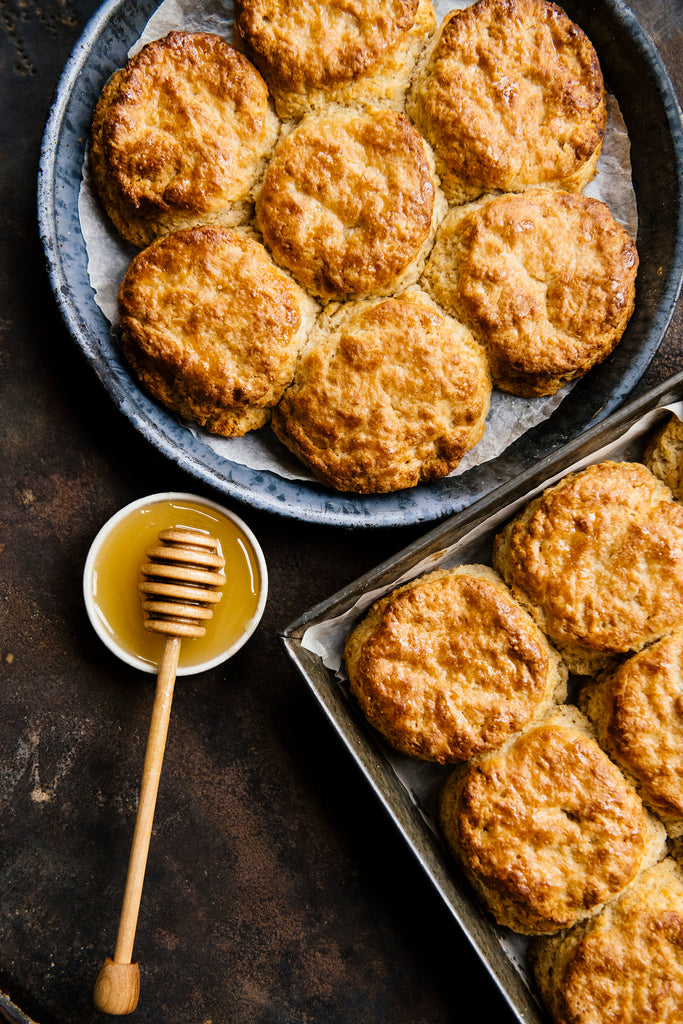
pixel 277 890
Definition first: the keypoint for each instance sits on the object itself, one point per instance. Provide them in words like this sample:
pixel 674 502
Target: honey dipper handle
pixel 149 786
pixel 115 1002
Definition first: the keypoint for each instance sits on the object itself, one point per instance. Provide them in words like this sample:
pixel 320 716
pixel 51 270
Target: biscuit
pixel 624 966
pixel 212 327
pixel 544 280
pixel 638 716
pixel 547 829
pixel 449 665
pixel 511 96
pixel 663 455
pixel 349 203
pixel 386 394
pixel 180 136
pixel 597 559
pixel 350 52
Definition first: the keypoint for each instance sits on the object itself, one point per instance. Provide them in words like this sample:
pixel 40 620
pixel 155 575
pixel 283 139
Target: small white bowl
pixel 247 542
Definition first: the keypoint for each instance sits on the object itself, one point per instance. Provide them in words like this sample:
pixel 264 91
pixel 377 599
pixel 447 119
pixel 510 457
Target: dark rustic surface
pixel 277 890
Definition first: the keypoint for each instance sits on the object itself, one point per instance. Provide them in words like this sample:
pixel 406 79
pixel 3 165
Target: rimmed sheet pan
pixel 408 789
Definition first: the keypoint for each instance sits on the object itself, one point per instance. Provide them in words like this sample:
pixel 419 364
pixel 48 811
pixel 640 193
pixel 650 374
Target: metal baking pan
pixel 408 788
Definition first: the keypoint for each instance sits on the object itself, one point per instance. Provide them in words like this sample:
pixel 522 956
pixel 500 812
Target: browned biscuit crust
pixel 449 665
pixel 511 96
pixel 598 561
pixel 664 455
pixel 547 829
pixel 638 716
pixel 624 966
pixel 179 136
pixel 545 281
pixel 387 393
pixel 349 203
pixel 212 327
pixel 318 44
pixel 342 51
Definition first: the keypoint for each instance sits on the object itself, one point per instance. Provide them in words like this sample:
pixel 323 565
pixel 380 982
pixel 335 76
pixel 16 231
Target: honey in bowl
pixel 112 577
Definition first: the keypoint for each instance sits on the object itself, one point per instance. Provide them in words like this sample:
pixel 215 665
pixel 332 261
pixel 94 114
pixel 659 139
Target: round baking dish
pixel 633 72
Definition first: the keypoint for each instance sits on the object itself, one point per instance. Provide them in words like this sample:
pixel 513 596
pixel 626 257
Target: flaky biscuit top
pixel 626 965
pixel 545 280
pixel 551 826
pixel 630 974
pixel 598 558
pixel 644 721
pixel 211 321
pixel 184 125
pixel 309 43
pixel 663 455
pixel 449 666
pixel 387 393
pixel 511 96
pixel 347 202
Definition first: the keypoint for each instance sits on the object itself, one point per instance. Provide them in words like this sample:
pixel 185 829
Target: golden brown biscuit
pixel 598 561
pixel 180 136
pixel 349 203
pixel 510 95
pixel 212 327
pixel 545 281
pixel 547 828
pixel 624 966
pixel 351 52
pixel 638 716
pixel 664 455
pixel 449 665
pixel 387 393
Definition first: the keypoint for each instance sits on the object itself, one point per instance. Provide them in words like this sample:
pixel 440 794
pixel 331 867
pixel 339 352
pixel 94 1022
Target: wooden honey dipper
pixel 181 582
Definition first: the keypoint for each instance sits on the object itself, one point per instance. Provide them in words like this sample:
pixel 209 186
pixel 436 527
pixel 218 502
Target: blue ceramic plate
pixel 11 1013
pixel 633 72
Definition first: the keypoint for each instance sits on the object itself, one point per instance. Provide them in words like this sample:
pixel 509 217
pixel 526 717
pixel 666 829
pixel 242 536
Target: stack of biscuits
pixel 355 222
pixel 552 684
